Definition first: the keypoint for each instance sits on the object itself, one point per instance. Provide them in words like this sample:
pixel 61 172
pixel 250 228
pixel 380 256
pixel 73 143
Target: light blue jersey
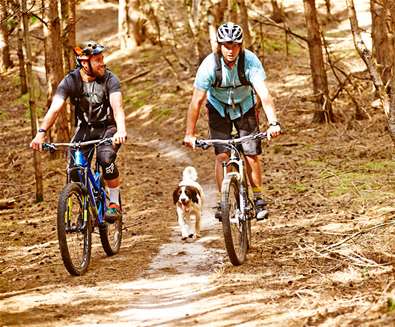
pixel 231 97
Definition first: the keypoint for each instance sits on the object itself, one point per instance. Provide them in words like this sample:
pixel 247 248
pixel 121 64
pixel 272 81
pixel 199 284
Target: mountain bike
pixel 237 205
pixel 81 208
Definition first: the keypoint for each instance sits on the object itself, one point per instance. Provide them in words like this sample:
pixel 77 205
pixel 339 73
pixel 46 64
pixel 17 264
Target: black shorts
pixel 221 128
pixel 106 153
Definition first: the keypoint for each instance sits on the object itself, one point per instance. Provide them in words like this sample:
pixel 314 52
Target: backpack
pixel 240 71
pixel 77 92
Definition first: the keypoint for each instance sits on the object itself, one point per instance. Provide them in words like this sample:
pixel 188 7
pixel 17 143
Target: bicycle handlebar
pixel 205 144
pixel 53 146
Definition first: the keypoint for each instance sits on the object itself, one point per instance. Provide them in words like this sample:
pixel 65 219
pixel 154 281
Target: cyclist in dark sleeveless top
pixel 96 95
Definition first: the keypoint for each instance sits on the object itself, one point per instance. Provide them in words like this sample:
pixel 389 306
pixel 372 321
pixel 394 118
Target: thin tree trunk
pixel 232 11
pixel 33 115
pixel 323 111
pixel 68 43
pixel 391 119
pixel 328 7
pixel 124 32
pixel 382 50
pixel 244 23
pixel 194 28
pixel 5 58
pixel 215 16
pixel 367 58
pixel 55 65
pixel 277 15
pixel 21 59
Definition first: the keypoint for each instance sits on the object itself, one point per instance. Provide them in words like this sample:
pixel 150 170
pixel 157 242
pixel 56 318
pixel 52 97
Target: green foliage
pixel 380 166
pixel 390 304
pixel 163 113
pixel 298 187
pixel 273 45
pixel 3 115
pixel 33 19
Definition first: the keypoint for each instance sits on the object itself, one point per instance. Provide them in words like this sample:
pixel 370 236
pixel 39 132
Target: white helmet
pixel 229 32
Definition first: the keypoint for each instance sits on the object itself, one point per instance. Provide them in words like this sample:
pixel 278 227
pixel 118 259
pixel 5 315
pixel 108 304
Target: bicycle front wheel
pixel 233 225
pixel 111 233
pixel 74 229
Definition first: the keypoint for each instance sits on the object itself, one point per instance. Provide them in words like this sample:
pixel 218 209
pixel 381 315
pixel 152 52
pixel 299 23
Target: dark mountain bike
pixel 237 205
pixel 81 208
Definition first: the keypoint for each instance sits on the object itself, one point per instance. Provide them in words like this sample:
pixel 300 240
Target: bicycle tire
pixel 111 233
pixel 72 214
pixel 234 230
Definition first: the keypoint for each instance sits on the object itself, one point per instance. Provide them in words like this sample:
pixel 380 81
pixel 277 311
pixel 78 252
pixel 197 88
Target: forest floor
pixel 325 257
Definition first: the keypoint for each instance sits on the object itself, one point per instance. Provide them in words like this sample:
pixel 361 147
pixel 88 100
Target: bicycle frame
pixel 91 181
pixel 235 159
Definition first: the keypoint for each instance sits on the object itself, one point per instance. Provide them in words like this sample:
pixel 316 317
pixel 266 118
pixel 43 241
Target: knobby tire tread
pixel 61 231
pixel 108 248
pixel 229 184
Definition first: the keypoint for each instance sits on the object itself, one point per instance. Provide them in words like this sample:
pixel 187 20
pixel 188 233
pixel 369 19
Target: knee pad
pixel 110 171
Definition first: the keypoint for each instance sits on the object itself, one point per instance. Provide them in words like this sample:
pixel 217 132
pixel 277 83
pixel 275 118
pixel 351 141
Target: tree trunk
pixel 232 11
pixel 328 7
pixel 5 58
pixel 277 15
pixel 55 64
pixel 367 58
pixel 194 27
pixel 391 114
pixel 68 33
pixel 33 115
pixel 216 16
pixel 323 105
pixel 21 60
pixel 124 32
pixel 244 23
pixel 382 50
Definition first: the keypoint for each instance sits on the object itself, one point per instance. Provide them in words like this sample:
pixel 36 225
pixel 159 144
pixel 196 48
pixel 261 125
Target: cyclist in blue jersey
pixel 96 95
pixel 230 80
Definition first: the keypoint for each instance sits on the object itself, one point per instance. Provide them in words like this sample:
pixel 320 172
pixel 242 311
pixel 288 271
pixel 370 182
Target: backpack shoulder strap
pixel 241 69
pixel 76 91
pixel 218 71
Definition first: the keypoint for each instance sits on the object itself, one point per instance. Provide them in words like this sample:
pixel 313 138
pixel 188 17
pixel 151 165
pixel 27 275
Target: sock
pixel 257 190
pixel 114 194
pixel 219 197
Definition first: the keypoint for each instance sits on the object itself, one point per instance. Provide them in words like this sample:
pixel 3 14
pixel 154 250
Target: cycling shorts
pixel 222 127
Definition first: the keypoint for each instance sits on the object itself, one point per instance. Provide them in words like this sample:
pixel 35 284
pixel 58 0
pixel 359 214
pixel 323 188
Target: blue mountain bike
pixel 81 208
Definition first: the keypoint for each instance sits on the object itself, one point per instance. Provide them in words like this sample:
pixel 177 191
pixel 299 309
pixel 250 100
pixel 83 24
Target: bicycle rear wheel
pixel 234 227
pixel 74 229
pixel 111 233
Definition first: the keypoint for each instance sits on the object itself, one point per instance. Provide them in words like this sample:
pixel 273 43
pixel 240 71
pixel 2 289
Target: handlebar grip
pixel 201 144
pixel 49 147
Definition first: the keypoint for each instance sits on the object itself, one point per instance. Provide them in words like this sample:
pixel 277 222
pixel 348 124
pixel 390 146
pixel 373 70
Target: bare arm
pixel 48 121
pixel 267 101
pixel 198 98
pixel 119 116
pixel 268 106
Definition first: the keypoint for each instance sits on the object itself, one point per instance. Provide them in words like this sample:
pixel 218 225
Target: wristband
pixel 276 123
pixel 42 130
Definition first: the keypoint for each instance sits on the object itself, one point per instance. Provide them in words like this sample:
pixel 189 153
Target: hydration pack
pixel 240 71
pixel 78 91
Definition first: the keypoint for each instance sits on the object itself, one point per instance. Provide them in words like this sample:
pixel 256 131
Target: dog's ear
pixel 193 194
pixel 176 195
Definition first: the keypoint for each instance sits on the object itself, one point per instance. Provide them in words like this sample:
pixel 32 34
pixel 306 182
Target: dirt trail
pixel 325 257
